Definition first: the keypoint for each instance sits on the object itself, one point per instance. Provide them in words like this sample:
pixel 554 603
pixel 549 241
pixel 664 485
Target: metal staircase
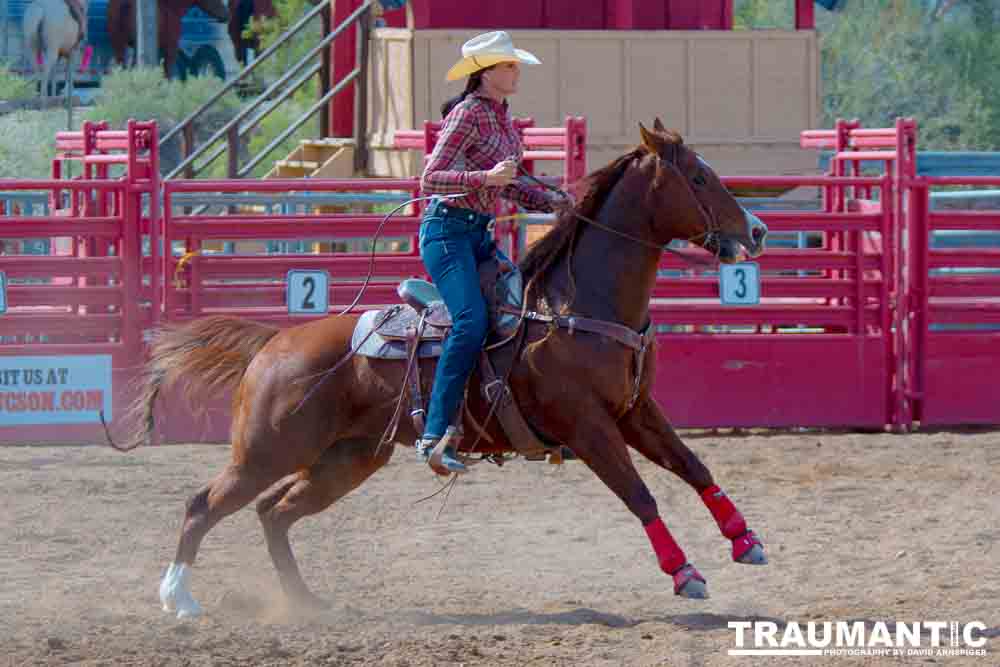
pixel 229 139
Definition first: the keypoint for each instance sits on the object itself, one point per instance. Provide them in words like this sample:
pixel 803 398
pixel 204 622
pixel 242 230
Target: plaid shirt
pixel 476 135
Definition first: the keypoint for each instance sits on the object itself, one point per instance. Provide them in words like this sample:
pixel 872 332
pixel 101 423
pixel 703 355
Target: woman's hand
pixel 502 174
pixel 561 202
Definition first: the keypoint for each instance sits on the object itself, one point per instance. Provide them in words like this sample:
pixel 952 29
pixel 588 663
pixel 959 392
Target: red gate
pixel 953 329
pixel 858 324
pixel 816 351
pixel 73 326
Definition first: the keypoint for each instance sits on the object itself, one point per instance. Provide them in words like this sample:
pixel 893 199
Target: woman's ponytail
pixel 475 80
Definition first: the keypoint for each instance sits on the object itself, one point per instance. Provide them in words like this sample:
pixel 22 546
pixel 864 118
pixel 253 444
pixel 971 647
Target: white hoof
pixel 190 609
pixel 167 587
pixel 175 594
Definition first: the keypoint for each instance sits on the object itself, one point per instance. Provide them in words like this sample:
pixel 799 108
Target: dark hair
pixel 475 80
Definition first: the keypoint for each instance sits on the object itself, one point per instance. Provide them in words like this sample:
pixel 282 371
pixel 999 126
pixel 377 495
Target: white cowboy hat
pixel 486 50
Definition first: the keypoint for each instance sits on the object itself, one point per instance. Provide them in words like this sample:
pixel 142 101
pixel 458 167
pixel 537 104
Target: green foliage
pixel 887 59
pixel 763 14
pixel 270 29
pixel 14 87
pixel 142 93
pixel 27 142
pixel 288 111
pixel 935 61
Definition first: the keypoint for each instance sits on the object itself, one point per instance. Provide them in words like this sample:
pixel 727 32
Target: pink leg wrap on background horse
pixel 88 53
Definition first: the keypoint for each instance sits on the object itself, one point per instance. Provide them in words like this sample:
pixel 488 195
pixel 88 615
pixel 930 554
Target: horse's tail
pixel 210 354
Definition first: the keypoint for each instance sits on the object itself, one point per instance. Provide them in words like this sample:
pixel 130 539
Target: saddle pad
pixel 436 326
pixel 381 348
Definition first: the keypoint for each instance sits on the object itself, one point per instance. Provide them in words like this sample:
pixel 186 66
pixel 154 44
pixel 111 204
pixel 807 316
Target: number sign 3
pixel 308 292
pixel 739 284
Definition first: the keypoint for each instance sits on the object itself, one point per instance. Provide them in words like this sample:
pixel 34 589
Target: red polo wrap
pixel 730 521
pixel 670 555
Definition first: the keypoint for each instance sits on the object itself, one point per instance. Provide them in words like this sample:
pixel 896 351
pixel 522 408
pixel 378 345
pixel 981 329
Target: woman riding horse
pixel 476 156
pixel 581 372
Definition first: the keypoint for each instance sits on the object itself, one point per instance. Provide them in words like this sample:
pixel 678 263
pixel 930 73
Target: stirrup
pixel 424 446
pixel 444 459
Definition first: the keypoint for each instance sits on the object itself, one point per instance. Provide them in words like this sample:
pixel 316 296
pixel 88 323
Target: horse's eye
pixel 699 179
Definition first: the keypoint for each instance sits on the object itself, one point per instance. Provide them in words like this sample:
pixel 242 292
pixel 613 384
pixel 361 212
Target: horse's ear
pixel 658 126
pixel 649 140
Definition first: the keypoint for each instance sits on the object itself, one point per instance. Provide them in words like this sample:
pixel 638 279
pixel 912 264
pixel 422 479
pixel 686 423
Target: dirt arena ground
pixel 530 564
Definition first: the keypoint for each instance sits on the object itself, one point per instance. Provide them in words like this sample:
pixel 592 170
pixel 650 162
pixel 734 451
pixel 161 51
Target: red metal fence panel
pixel 859 323
pixel 816 350
pixel 74 321
pixel 953 329
pixel 251 282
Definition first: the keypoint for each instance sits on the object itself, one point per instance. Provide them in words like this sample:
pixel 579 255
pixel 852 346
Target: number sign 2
pixel 308 292
pixel 739 284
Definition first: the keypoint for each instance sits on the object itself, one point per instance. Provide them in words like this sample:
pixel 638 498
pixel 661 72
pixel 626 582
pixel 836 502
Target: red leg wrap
pixel 670 555
pixel 726 515
pixel 744 543
pixel 685 576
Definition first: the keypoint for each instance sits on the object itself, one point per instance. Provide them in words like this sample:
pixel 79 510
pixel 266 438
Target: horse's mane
pixel 592 191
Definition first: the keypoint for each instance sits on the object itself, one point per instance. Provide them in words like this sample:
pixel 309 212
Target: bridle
pixel 711 235
pixel 712 229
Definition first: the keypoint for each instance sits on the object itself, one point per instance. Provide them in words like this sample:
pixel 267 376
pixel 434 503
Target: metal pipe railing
pixel 229 85
pixel 187 164
pixel 355 73
pixel 233 145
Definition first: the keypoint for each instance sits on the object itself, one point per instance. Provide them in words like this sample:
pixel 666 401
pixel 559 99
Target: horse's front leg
pixel 599 443
pixel 45 77
pixel 68 83
pixel 648 431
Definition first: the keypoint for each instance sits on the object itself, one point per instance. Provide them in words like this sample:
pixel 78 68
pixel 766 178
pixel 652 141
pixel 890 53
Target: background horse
pixel 304 444
pixel 121 26
pixel 240 19
pixel 53 29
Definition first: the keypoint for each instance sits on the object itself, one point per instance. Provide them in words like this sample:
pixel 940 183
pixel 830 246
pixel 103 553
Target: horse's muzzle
pixel 756 234
pixel 729 251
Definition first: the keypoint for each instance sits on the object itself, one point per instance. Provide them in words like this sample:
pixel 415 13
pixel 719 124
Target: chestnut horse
pixel 240 18
pixel 300 446
pixel 121 26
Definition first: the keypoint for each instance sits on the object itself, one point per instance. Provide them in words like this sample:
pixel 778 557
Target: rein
pixel 711 225
pixel 378 232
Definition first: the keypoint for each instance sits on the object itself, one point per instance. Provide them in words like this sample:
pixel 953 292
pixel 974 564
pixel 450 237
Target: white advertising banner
pixel 55 390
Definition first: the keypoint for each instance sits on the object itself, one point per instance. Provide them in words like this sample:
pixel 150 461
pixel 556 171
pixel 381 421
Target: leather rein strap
pixel 711 223
pixel 618 332
pixel 639 342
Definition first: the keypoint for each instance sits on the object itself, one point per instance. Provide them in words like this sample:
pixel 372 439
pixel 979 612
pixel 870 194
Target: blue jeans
pixel 453 243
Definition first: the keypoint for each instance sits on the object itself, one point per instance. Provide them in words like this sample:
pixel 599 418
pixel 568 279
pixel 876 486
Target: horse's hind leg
pixel 341 469
pixel 649 432
pixel 236 486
